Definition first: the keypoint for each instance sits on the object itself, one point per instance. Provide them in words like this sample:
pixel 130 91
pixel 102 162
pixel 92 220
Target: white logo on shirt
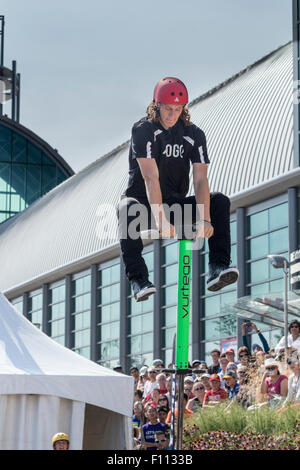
pixel 174 151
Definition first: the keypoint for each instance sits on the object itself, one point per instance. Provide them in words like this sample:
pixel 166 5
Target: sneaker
pixel 220 276
pixel 142 288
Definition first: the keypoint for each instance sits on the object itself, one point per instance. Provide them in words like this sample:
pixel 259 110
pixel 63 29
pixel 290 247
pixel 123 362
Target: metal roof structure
pixel 248 122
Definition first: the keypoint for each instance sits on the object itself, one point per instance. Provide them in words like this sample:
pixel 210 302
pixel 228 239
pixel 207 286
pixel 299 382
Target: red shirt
pixel 221 394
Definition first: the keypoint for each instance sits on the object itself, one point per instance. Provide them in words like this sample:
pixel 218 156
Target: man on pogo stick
pixel 163 145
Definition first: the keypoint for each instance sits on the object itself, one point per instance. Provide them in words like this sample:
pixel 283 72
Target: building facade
pixel 68 277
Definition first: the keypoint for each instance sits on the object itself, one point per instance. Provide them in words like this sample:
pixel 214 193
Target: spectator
pixel 196 364
pixel 149 429
pixel 204 379
pixel 257 331
pixel 243 356
pixel 215 367
pixel 217 394
pixel 136 442
pixel 293 395
pixel 151 382
pixel 230 355
pixel 186 412
pixel 137 416
pixel 223 365
pixel 231 366
pixel 273 383
pixel 293 339
pixel 163 401
pixel 244 396
pixel 163 414
pixel 118 368
pixel 161 379
pixel 61 441
pixel 142 378
pixel 158 364
pixel 138 395
pixel 134 372
pixel 152 397
pixel 161 440
pixel 232 385
pixel 195 403
pixel 188 385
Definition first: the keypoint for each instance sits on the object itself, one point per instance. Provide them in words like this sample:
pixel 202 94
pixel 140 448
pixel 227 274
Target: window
pixel 109 313
pixel 35 307
pixel 140 321
pixel 81 313
pixel 57 311
pixel 18 304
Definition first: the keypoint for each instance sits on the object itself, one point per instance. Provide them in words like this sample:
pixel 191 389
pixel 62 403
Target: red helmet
pixel 170 90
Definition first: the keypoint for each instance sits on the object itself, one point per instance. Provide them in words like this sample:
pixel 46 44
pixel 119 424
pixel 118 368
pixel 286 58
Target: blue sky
pixel 88 68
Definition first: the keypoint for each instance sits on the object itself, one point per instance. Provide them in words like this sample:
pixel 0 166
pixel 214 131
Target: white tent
pixel 46 388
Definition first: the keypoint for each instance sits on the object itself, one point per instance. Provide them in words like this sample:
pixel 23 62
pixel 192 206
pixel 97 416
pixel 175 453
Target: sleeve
pixel 279 346
pixel 142 141
pixel 199 152
pixel 245 342
pixel 264 342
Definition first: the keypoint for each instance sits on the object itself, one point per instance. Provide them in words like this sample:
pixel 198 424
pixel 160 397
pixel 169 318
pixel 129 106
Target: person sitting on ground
pixel 161 379
pixel 150 428
pixel 251 327
pixel 60 441
pixel 161 440
pixel 274 384
pixel 223 365
pixel 217 394
pixel 293 339
pixel 214 368
pixel 186 412
pixel 195 403
pixel 232 384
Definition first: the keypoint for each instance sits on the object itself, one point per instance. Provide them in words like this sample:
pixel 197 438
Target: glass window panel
pixel 170 274
pixel 227 326
pixel 170 316
pixel 148 257
pixel 5 177
pixel 233 231
pixel 46 160
pixel 115 311
pixel 136 325
pixel 58 294
pixel 234 255
pixel 19 149
pixel 33 183
pixel 18 182
pixel 135 342
pixel 169 336
pixel 278 216
pixel 61 176
pixel 5 144
pixel 259 270
pixel 258 223
pixel 212 305
pixel 260 289
pixel 115 273
pixel 208 348
pixel 147 322
pixel 276 286
pixel 170 294
pixel 34 154
pixel 279 240
pixel 170 253
pixel 48 178
pixel 147 342
pixel 212 328
pixel 258 247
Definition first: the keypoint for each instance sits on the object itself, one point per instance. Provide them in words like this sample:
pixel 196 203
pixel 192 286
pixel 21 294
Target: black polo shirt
pixel 173 149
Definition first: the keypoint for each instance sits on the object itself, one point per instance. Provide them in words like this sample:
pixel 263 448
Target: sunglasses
pixel 271 368
pixel 294 326
pixel 244 355
pixel 162 399
pixel 162 440
pixel 152 372
pixel 199 388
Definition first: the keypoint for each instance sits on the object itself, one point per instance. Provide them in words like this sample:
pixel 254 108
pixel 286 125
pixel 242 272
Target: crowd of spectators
pixel 261 377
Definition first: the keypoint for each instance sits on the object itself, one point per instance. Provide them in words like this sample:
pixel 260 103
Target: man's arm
pixel 150 174
pixel 202 196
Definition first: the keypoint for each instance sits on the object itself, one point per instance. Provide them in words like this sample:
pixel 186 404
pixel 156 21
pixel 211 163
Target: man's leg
pixel 220 272
pixel 133 217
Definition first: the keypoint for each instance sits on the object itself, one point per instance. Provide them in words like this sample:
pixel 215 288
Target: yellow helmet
pixel 60 436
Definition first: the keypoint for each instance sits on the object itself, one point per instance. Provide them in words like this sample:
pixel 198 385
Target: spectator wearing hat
pixel 137 416
pixel 158 364
pixel 196 363
pixel 188 386
pixel 231 384
pixel 134 372
pixel 204 379
pixel 254 328
pixel 244 356
pixel 293 395
pixel 143 377
pixel 230 355
pixel 273 382
pixel 151 383
pixel 217 394
pixel 214 368
pixel 232 366
pixel 293 339
pixel 195 403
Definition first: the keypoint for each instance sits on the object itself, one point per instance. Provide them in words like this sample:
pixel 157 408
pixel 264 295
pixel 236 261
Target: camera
pixel 248 326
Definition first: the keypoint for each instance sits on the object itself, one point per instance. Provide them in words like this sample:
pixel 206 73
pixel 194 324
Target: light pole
pixel 279 261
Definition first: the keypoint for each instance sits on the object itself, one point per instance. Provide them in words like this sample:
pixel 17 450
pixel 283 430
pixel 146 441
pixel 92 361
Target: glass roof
pixel 267 309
